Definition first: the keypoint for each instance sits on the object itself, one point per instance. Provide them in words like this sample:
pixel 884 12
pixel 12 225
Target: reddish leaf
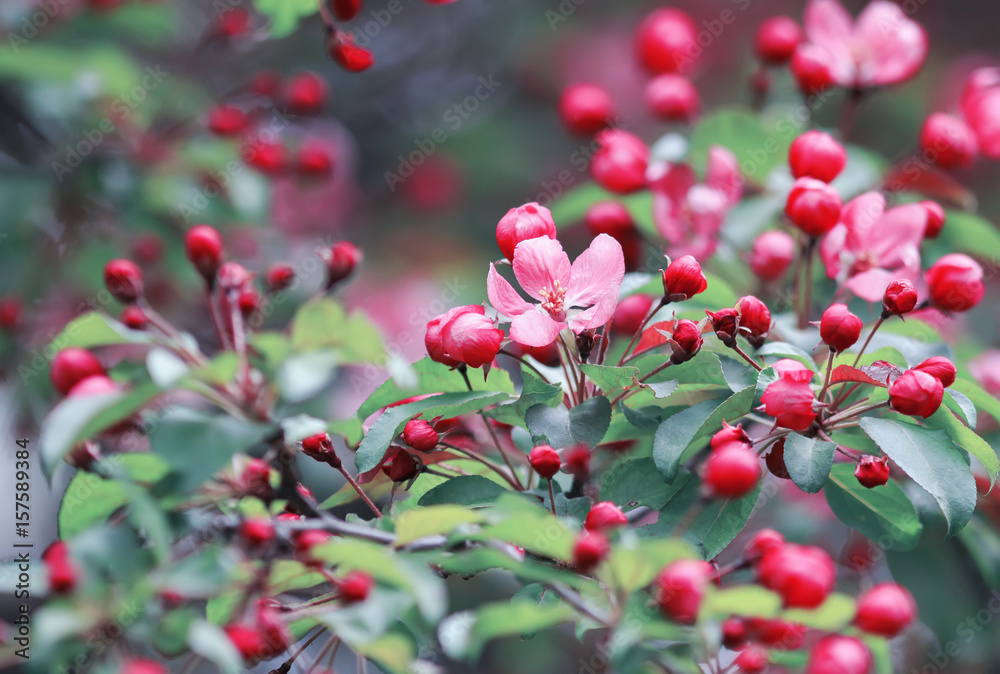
pixel 848 373
pixel 930 182
pixel 652 337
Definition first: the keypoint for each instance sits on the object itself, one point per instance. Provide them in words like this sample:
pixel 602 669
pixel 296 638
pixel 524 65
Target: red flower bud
pixel 420 435
pixel 401 467
pixel 732 471
pixel 667 41
pixel 772 252
pixel 916 393
pixel 789 368
pixel 941 368
pixel 355 587
pixel 725 323
pixel 886 610
pixel 320 448
pixel 576 462
pixel 630 313
pixel 10 313
pixel 604 516
pixel 529 221
pixel 352 58
pixel 775 460
pixel 761 542
pixel 813 206
pixel 935 219
pixel 818 155
pixel 948 140
pixel 270 158
pixel 313 161
pixel 685 342
pixel 204 248
pixel 143 667
pixel 589 550
pixel 267 83
pixel 619 164
pixel 956 282
pixel 751 660
pixel 96 385
pixel 546 355
pixel 345 10
pixel 680 588
pixel 233 23
pixel 730 434
pixel 900 298
pixel 802 575
pixel 279 277
pixel 790 402
pixel 545 461
pixel 683 279
pixel 306 94
pixel 585 109
pixel 341 260
pixel 71 366
pixel 755 320
pixel 255 480
pixel 672 98
pixel 134 318
pixel 810 70
pixel 734 633
pixel 777 39
pixel 305 542
pixel 123 279
pixel 61 569
pixel 776 633
pixel 227 120
pixel 839 328
pixel 257 531
pixel 872 471
pixel 233 277
pixel 463 335
pixel 839 655
pixel 249 301
pixel 614 219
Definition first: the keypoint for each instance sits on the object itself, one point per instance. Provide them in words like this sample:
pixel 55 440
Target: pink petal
pixel 829 28
pixel 533 328
pixel 901 229
pixel 870 285
pixel 894 46
pixel 667 217
pixel 502 295
pixel 861 214
pixel 723 173
pixel 597 315
pixel 597 271
pixel 982 111
pixel 832 248
pixel 539 264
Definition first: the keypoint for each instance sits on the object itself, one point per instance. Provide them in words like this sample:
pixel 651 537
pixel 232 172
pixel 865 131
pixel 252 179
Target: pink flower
pixel 689 214
pixel 981 107
pixel 882 47
pixel 871 247
pixel 578 296
pixel 985 369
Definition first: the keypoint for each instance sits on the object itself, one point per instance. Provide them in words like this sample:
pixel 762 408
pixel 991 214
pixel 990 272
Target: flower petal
pixel 597 315
pixel 894 46
pixel 502 295
pixel 870 285
pixel 539 263
pixel 534 328
pixel 829 28
pixel 596 272
pixel 898 232
pixel 723 173
pixel 831 250
pixel 861 215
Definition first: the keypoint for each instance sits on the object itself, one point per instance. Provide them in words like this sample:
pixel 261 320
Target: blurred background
pixel 105 152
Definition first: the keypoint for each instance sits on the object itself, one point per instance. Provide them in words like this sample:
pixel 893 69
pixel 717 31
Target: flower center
pixel 553 303
pixel 862 263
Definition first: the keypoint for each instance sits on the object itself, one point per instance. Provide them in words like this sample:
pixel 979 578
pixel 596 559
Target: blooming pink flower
pixel 689 214
pixel 882 47
pixel 578 296
pixel 871 247
pixel 980 105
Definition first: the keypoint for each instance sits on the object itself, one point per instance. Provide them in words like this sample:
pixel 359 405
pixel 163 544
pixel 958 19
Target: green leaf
pixel 674 436
pixel 932 461
pixel 967 439
pixel 285 14
pixel 833 615
pixel 90 499
pixel 634 563
pixel 211 643
pixel 391 423
pixel 883 514
pixel 426 521
pixel 198 445
pixel 743 134
pixel 808 461
pixel 534 391
pixel 80 417
pixel 960 403
pixel 587 423
pixel 516 520
pixel 977 395
pixel 968 233
pixel 610 378
pixel 393 652
pixel 437 378
pixel 324 324
pixel 466 490
pixel 463 635
pixel 634 482
pixel 746 600
pixel 95 329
